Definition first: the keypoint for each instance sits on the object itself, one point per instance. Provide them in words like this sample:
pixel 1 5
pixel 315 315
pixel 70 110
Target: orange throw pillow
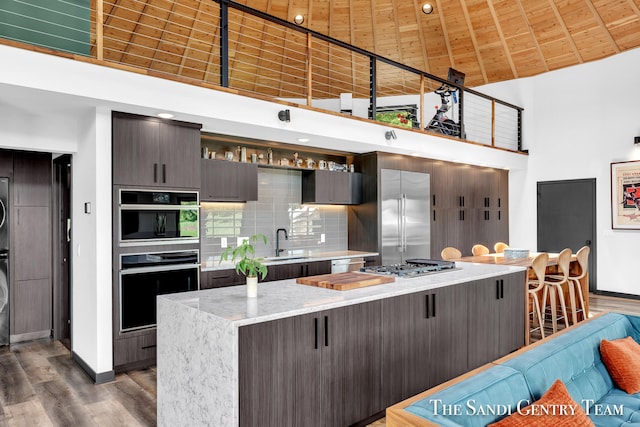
pixel 555 408
pixel 622 359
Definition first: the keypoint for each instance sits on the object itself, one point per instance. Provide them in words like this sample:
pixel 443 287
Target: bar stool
pixel 450 253
pixel 574 281
pixel 553 285
pixel 499 247
pixel 538 265
pixel 478 250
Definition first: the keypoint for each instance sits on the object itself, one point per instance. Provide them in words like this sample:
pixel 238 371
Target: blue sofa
pixel 490 393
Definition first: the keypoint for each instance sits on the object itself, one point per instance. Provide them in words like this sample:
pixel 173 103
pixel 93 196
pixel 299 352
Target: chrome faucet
pixel 286 237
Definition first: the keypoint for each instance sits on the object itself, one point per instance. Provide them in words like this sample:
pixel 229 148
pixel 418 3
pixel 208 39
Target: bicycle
pixel 440 123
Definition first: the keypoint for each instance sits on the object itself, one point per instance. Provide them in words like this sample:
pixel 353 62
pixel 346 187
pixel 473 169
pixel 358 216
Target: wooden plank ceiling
pixel 488 40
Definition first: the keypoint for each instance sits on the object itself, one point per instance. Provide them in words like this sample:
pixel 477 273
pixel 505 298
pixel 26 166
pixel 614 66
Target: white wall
pixel 577 121
pixel 91 238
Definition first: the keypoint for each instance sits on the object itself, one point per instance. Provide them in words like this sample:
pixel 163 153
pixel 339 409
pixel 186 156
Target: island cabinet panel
pixel 155 152
pixel 496 319
pixel 329 187
pixel 424 341
pixel 226 181
pixel 319 369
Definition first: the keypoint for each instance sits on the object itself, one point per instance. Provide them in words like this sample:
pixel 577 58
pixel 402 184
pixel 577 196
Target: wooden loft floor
pixel 41 385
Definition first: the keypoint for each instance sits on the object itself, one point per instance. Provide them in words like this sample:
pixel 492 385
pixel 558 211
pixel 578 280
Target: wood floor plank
pixel 140 404
pixel 78 380
pixel 26 414
pixel 146 379
pixel 15 386
pixel 62 404
pixel 109 413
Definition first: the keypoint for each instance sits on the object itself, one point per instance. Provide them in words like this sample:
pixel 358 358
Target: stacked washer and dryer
pixel 4 261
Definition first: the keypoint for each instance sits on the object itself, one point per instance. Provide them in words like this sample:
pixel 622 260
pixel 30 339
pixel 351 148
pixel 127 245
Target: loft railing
pixel 228 44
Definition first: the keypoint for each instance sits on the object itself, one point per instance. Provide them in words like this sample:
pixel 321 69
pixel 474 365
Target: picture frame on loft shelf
pixel 625 195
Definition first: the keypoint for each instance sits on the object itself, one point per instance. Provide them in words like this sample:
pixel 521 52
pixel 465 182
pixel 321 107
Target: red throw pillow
pixel 622 359
pixel 555 408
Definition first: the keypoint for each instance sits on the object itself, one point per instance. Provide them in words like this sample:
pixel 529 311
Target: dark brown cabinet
pixel 320 369
pixel 226 181
pixel 30 246
pixel 295 270
pixel 424 341
pixel 458 194
pixel 338 367
pixel 156 153
pixel 469 206
pixel 149 151
pixel 138 349
pixel 220 279
pixel 329 187
pixel 495 310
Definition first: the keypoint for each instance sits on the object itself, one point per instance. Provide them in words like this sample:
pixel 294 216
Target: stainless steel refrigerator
pixel 405 217
pixel 4 261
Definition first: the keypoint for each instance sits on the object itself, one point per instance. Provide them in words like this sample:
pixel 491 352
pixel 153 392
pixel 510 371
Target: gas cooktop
pixel 412 268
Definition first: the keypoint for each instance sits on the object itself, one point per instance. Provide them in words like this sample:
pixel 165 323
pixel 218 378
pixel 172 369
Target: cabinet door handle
pixel 497 289
pixel 164 173
pixel 326 331
pixel 155 172
pixel 433 196
pixel 426 304
pixel 315 327
pixel 434 216
pixel 433 305
pixel 501 288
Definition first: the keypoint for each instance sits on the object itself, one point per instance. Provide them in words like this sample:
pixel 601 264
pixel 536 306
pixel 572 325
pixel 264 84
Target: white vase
pixel 252 287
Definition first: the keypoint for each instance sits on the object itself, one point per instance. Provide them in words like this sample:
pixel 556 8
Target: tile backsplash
pixel 278 206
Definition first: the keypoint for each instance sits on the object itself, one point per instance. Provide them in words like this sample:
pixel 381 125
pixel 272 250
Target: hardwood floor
pixel 40 385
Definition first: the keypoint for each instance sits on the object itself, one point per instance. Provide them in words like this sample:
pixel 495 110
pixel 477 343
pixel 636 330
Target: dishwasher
pixel 346 264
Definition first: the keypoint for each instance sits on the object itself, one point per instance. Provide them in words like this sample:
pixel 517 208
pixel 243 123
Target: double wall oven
pixel 158 251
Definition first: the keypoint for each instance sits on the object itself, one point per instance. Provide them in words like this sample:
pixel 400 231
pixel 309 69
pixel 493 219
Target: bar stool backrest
pixel 450 253
pixel 564 259
pixel 539 266
pixel 499 247
pixel 478 250
pixel 583 260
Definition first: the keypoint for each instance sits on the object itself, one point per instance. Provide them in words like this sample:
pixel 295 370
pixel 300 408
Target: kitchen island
pixel 301 355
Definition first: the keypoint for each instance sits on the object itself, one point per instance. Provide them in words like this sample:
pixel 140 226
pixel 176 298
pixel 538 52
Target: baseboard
pixel 97 378
pixel 617 294
pixel 29 336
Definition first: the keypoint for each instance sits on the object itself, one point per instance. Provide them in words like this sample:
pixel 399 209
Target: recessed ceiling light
pixel 303 140
pixel 427 8
pixel 165 115
pixel 298 19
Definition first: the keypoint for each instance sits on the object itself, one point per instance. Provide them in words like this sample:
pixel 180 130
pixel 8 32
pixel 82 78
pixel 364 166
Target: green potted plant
pixel 244 256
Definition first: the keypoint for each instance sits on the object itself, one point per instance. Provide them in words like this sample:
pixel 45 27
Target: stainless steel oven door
pixel 154 274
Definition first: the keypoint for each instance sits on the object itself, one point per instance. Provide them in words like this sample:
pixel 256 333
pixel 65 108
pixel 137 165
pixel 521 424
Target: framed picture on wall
pixel 625 195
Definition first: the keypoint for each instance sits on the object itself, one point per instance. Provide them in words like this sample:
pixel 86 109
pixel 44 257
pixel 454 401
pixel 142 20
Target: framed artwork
pixel 625 195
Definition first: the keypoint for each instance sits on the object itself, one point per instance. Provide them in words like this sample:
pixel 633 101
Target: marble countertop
pixel 286 298
pixel 290 258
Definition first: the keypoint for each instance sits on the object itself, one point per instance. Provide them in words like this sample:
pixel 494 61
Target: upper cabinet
pixel 328 187
pixel 226 181
pixel 149 151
